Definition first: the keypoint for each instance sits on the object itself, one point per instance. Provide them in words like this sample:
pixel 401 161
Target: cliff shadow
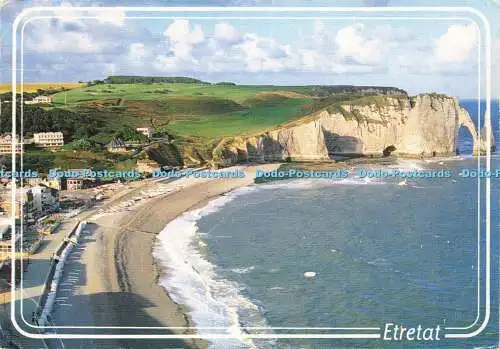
pixel 270 150
pixel 342 146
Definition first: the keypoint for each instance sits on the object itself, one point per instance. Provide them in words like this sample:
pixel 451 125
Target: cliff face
pixel 425 125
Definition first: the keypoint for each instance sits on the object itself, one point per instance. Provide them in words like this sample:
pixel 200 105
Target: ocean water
pixel 380 252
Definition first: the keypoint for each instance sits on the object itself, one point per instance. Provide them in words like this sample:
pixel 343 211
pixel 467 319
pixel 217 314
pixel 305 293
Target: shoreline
pixel 119 276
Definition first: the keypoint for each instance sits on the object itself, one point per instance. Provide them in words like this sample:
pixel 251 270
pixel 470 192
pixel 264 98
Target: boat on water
pixel 309 274
pixel 403 183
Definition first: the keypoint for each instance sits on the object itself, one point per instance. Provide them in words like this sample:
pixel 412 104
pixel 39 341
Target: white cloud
pixel 263 54
pixel 69 12
pixel 456 44
pixel 323 49
pixel 110 68
pixel 182 39
pixel 225 50
pixel 115 16
pixel 67 32
pixel 350 49
pixel 496 66
pixel 320 37
pixel 164 63
pixel 225 32
pixel 310 59
pixel 137 53
pixel 68 42
pixel 354 44
pixel 180 31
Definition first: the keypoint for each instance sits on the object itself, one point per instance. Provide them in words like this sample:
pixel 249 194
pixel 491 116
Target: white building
pixel 6 144
pixel 48 139
pixel 45 199
pixel 40 100
pixel 146 131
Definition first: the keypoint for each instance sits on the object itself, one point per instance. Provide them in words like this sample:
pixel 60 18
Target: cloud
pixel 352 44
pixel 69 47
pixel 456 44
pixel 60 41
pixel 180 31
pixel 226 33
pixel 137 53
pixel 496 53
pixel 114 16
pixel 372 47
pixel 163 63
pixel 183 39
pixel 351 49
pixel 227 50
pixel 224 50
pixel 70 12
pixel 264 54
pixel 69 32
pixel 496 66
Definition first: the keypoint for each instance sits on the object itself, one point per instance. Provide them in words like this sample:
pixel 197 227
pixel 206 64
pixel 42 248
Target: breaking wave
pixel 191 280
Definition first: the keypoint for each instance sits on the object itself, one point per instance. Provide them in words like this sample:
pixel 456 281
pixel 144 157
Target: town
pixel 43 199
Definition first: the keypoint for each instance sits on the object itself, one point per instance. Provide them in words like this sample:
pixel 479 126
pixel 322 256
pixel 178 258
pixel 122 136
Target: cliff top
pixel 346 105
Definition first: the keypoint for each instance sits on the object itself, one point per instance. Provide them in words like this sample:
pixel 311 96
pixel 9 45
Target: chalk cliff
pixel 423 126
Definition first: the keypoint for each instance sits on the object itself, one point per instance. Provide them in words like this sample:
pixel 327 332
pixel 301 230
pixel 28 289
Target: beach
pixel 112 277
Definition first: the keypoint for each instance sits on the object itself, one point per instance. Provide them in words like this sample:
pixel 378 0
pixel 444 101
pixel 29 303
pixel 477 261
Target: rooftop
pixel 116 143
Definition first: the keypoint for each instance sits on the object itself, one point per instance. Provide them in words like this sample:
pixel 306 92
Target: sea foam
pixel 191 280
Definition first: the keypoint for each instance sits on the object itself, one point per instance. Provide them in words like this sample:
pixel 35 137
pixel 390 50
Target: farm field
pixel 33 87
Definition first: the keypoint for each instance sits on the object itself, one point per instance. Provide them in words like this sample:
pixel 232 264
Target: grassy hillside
pixel 202 110
pixel 190 109
pixel 161 91
pixel 197 114
pixel 248 121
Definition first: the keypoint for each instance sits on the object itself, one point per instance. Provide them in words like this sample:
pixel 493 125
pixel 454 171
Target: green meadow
pixel 190 109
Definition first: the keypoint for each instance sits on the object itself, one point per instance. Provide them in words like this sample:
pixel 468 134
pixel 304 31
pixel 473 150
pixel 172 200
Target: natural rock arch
pixel 465 121
pixel 458 138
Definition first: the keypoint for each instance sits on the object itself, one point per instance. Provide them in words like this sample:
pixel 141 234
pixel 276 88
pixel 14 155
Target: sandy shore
pixel 114 274
pixel 37 266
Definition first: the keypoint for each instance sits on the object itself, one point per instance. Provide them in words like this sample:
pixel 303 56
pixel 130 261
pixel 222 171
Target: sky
pixel 430 54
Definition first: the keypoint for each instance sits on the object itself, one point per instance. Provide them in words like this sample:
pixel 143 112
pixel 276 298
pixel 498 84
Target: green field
pixel 201 110
pixel 139 92
pixel 190 117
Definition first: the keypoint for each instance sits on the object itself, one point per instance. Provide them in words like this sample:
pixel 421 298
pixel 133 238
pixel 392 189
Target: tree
pixel 128 133
pixel 82 144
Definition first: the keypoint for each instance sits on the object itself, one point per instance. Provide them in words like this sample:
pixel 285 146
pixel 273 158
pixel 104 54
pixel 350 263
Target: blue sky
pixel 418 55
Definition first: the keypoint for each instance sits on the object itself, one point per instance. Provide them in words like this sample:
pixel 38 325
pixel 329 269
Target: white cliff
pixel 423 126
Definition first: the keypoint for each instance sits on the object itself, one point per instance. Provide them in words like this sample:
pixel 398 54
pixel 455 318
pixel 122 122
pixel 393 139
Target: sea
pixel 342 256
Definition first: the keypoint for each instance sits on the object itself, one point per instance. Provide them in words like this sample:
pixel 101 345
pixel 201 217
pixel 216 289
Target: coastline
pixel 119 276
pixel 119 281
